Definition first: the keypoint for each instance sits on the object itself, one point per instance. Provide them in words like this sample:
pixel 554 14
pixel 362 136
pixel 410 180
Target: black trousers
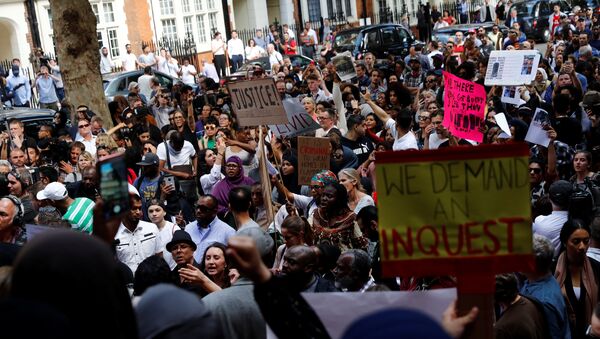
pixel 220 65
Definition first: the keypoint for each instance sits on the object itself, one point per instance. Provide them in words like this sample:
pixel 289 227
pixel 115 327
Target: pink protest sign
pixel 464 107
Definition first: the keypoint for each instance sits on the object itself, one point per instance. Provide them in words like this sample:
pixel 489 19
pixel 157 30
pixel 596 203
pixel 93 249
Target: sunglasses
pixel 203 208
pixel 424 117
pixel 209 127
pixel 84 126
pixel 535 170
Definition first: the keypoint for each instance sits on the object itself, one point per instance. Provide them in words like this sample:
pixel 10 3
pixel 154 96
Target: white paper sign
pixel 337 319
pixel 511 95
pixel 512 68
pixel 536 133
pixel 503 123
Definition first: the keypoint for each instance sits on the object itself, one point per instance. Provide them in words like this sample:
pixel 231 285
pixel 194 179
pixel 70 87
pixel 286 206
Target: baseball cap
pixel 148 159
pixel 560 191
pixel 472 30
pixel 54 191
pixel 132 85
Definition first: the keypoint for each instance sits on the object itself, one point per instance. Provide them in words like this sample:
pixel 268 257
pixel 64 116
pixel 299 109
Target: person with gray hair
pixel 543 287
pixel 585 53
pixel 5 167
pixel 353 271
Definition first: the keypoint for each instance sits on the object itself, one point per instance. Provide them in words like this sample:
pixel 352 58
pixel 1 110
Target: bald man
pixel 299 269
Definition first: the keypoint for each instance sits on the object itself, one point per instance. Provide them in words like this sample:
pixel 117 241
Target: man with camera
pixel 45 84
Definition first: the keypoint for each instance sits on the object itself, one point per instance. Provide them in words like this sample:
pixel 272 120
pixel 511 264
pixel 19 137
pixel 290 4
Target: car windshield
pixel 345 39
pixel 524 8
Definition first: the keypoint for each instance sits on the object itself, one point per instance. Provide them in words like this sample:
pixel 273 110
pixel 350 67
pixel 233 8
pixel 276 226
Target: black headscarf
pixel 77 275
pixel 291 181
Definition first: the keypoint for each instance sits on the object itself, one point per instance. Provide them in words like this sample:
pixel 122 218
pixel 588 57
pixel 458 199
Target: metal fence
pixel 6 67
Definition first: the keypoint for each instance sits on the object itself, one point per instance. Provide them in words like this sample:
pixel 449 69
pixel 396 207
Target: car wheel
pixel 546 35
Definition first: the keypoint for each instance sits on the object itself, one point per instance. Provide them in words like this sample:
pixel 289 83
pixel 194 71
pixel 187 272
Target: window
pixel 50 18
pixel 169 29
pixel 338 8
pixel 348 8
pixel 187 26
pixel 212 19
pixel 166 7
pixel 211 4
pixel 113 42
pixel 314 10
pixel 198 5
pixel 185 4
pixel 200 19
pixel 99 37
pixel 330 12
pixel 391 35
pixel 109 15
pixel 95 9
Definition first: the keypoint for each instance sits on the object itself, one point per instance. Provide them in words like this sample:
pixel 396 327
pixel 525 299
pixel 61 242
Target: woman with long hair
pixel 577 275
pixel 294 231
pixel 357 198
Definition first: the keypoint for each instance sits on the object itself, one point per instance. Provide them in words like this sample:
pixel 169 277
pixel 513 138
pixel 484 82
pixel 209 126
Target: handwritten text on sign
pixel 257 102
pixel 313 156
pixel 454 203
pixel 464 107
pixel 299 121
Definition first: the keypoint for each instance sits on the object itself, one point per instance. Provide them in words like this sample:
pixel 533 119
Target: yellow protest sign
pixel 438 208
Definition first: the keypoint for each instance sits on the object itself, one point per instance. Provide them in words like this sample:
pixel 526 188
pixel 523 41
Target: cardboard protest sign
pixel 257 102
pixel 536 133
pixel 299 121
pixel 443 210
pixel 313 156
pixel 464 107
pixel 510 68
pixel 344 65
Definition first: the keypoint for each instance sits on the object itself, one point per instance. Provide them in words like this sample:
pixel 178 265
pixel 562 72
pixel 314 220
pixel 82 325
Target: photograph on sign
pixel 511 95
pixel 464 107
pixel 299 122
pixel 257 102
pixel 450 203
pixel 512 68
pixel 344 65
pixel 537 133
pixel 313 156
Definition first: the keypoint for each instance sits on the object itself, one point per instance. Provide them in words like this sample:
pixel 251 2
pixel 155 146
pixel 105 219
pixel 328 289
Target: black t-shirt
pixel 362 147
pixel 461 142
pixel 568 130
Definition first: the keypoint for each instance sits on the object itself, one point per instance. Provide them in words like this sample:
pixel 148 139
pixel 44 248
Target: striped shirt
pixel 80 214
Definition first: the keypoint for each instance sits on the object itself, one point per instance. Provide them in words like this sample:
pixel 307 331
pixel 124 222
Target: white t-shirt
pixel 138 245
pixel 186 74
pixel 144 85
pixel 90 145
pixel 407 141
pixel 164 237
pixel 435 141
pixel 129 62
pixel 176 158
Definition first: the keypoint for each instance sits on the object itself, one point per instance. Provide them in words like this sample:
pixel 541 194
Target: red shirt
pixel 289 48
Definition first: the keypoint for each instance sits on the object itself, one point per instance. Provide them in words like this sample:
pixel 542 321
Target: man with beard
pixel 136 239
pixel 353 271
pixel 106 64
pixel 88 187
pixel 78 212
pixel 299 269
pixel 148 183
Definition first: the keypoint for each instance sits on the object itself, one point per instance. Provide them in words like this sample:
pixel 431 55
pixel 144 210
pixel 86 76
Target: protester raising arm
pixel 380 112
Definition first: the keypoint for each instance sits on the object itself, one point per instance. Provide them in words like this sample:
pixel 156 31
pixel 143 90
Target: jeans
pixel 236 62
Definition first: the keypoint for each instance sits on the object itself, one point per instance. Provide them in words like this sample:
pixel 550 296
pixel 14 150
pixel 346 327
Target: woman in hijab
pixel 234 177
pixel 85 285
pixel 541 82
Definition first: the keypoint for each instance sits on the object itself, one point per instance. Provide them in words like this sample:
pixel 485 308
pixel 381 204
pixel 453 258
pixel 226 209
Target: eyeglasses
pixel 535 170
pixel 424 117
pixel 209 127
pixel 84 126
pixel 178 118
pixel 323 118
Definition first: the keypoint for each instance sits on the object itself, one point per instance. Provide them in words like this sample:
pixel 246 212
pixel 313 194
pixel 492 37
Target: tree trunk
pixel 74 25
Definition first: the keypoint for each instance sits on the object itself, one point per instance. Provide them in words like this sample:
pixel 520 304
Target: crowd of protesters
pixel 198 221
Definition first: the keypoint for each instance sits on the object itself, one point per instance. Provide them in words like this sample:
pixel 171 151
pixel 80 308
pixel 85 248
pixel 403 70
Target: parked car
pixel 381 40
pixel 33 118
pixel 535 17
pixel 443 34
pixel 265 64
pixel 118 83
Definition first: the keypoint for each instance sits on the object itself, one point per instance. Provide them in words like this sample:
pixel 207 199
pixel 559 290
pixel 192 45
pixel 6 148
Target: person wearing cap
pixel 414 76
pixel 148 183
pixel 550 225
pixel 473 36
pixel 78 212
pixel 235 306
pixel 187 273
pixel 136 240
pixel 135 89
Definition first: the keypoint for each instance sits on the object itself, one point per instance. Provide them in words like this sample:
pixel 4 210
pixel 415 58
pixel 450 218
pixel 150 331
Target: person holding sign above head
pixel 400 127
pixel 577 275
